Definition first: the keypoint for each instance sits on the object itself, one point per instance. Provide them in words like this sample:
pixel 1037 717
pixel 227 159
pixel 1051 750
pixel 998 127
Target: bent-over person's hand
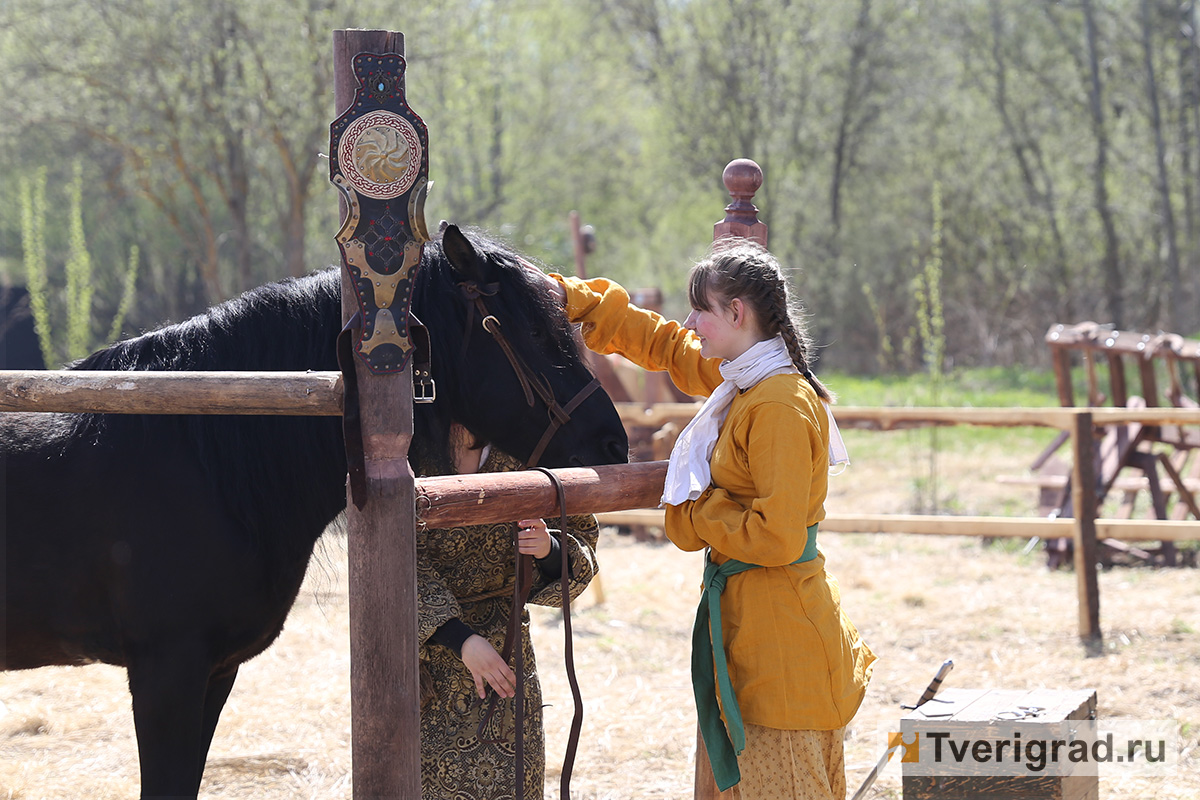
pixel 533 538
pixel 487 667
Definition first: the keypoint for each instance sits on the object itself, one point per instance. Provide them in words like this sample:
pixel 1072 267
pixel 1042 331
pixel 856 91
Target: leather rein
pixel 531 383
pixel 560 415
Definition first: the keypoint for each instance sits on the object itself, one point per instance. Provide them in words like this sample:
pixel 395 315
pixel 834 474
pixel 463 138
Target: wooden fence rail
pixel 475 499
pixel 320 394
pixel 888 419
pixel 77 391
pixel 938 525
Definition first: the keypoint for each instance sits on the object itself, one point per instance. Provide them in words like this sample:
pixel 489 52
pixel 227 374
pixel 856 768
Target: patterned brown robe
pixel 467 572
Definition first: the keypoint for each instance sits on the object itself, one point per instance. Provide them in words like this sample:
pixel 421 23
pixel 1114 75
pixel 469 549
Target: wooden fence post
pixel 1083 501
pixel 742 178
pixel 385 712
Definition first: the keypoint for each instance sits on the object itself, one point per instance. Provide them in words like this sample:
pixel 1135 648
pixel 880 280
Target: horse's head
pixel 506 363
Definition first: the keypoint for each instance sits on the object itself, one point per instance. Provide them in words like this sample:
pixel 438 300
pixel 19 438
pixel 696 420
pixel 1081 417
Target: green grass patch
pixel 984 387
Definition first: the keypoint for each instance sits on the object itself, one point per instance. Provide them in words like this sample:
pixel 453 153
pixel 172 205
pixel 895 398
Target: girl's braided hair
pixel 748 271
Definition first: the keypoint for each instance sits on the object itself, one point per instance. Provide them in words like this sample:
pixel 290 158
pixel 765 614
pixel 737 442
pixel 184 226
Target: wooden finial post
pixel 742 178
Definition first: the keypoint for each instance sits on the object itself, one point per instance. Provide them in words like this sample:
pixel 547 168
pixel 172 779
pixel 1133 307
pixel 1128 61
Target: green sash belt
pixel 708 659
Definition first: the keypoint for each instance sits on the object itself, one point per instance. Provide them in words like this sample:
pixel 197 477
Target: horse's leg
pixel 169 685
pixel 214 701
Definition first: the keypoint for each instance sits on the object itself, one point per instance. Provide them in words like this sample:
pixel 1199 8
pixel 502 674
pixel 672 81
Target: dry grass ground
pixel 1005 620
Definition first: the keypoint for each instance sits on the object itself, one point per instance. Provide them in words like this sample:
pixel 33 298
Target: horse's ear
pixel 463 258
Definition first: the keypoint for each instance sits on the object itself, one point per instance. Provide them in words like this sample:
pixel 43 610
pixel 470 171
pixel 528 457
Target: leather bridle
pixel 531 382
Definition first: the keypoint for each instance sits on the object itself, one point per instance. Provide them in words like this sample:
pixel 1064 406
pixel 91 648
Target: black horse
pixel 175 545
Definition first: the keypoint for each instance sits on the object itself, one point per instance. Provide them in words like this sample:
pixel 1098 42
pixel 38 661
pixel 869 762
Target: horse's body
pixel 175 546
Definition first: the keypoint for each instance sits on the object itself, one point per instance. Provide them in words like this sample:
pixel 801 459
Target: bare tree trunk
pixel 1113 282
pixel 1173 287
pixel 1189 130
pixel 294 246
pixel 851 99
pixel 234 180
pixel 238 202
pixel 1033 167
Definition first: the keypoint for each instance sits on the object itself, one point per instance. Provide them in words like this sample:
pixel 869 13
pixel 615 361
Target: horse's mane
pixel 251 460
pixel 293 325
pixel 279 326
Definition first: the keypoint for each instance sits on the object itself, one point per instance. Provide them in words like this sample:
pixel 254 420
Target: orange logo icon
pixel 910 752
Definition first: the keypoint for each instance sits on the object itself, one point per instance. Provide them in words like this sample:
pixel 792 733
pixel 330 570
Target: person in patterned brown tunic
pixel 465 584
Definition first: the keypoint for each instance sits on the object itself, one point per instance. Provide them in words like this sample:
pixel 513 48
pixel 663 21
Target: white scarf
pixel 688 472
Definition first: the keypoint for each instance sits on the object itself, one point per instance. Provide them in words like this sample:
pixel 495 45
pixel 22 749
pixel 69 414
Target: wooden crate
pixel 986 714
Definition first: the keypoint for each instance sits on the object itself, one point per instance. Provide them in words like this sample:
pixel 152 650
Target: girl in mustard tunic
pixel 747 480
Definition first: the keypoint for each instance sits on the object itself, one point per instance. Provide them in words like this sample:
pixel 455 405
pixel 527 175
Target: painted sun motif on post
pixel 380 154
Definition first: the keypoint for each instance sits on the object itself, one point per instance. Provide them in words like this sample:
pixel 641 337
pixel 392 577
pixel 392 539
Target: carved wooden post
pixel 384 697
pixel 742 177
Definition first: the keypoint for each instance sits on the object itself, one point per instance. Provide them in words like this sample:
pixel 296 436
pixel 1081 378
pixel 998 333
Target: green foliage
pixel 128 291
pixel 33 237
pixel 931 331
pixel 976 387
pixel 79 290
pixel 72 303
pixel 201 126
pixel 928 293
pixel 886 353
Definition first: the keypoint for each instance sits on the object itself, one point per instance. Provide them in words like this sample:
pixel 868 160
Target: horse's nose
pixel 617 450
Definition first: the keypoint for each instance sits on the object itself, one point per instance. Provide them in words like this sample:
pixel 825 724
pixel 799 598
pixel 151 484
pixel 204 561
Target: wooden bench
pixel 1161 453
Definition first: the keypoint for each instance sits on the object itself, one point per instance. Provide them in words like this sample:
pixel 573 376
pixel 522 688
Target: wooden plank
pixel 936 525
pixel 1187 497
pixel 496 497
pixel 1049 417
pixel 1005 527
pixel 1149 381
pixel 320 394
pixel 385 712
pixel 900 418
pixel 1086 549
pixel 1062 376
pixel 1116 380
pixel 1090 336
pixel 76 391
pixel 882 418
pixel 1124 483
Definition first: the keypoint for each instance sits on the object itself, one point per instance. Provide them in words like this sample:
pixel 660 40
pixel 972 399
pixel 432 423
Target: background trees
pixel 1060 141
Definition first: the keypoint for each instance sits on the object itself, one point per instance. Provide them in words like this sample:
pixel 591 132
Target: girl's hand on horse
pixel 555 288
pixel 487 667
pixel 533 538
